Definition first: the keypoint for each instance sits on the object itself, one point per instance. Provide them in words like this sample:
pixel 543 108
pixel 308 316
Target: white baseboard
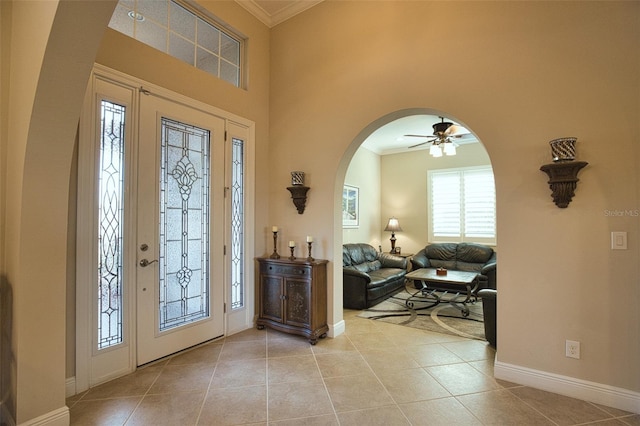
pixel 622 399
pixel 337 329
pixel 70 387
pixel 59 417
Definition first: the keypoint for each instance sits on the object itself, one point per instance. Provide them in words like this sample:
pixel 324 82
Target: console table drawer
pixel 292 270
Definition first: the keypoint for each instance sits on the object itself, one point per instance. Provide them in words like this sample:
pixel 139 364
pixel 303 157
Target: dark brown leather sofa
pixel 369 276
pixel 469 257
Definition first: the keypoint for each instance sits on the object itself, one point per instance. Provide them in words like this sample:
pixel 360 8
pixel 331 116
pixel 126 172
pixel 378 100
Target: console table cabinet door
pixel 271 297
pixel 298 309
pixel 293 296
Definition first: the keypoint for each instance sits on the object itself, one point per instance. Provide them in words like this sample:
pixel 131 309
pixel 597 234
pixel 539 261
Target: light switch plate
pixel 618 241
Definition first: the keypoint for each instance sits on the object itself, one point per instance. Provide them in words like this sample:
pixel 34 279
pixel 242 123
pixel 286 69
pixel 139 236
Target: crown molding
pixel 271 19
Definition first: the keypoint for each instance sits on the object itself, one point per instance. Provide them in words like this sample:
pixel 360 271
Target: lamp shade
pixel 449 148
pixel 393 225
pixel 435 150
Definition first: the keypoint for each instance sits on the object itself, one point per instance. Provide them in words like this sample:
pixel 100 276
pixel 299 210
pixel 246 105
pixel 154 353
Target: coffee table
pixel 451 288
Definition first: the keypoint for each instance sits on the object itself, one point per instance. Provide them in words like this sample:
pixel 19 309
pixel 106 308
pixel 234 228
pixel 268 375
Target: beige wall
pixel 43 98
pixel 404 189
pixel 519 74
pixel 364 173
pixel 42 93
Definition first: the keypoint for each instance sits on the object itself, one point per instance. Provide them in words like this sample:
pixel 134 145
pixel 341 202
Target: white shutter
pixel 462 205
pixel 446 214
pixel 479 204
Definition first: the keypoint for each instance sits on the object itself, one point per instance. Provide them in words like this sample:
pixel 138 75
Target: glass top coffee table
pixel 456 287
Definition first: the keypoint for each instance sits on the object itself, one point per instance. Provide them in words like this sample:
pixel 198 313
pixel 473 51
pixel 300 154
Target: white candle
pixel 274 228
pixel 292 243
pixel 309 239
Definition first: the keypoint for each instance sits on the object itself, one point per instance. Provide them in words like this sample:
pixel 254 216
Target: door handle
pixel 144 262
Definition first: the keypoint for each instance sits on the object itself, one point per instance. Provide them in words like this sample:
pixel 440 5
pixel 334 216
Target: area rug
pixel 425 314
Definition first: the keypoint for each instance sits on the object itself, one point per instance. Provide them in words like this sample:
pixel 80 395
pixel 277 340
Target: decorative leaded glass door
pixel 151 263
pixel 180 228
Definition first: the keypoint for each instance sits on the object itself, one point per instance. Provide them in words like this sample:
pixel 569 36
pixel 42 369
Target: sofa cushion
pixel 447 264
pixel 469 267
pixel 346 257
pixel 368 267
pixel 441 251
pixel 354 254
pixel 442 255
pixel 392 261
pixel 474 253
pixel 383 276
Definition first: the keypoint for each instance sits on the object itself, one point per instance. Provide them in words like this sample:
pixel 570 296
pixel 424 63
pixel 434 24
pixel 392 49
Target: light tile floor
pixel 374 374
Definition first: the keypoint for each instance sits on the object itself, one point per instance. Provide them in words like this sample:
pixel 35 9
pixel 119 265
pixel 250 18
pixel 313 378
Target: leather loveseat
pixel 369 276
pixel 469 257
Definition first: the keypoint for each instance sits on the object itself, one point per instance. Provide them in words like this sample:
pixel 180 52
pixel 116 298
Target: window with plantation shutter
pixel 462 205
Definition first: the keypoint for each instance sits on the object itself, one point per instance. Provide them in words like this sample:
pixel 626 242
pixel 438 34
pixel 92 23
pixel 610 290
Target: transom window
pixel 462 205
pixel 183 32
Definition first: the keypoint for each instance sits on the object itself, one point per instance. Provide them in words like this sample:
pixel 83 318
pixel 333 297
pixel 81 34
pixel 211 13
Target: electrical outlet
pixel 572 349
pixel 618 241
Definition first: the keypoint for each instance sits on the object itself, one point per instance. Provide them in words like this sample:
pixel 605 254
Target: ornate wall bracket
pixel 563 179
pixel 299 196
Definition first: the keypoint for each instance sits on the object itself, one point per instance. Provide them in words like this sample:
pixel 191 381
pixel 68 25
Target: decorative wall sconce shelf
pixel 298 190
pixel 563 179
pixel 299 196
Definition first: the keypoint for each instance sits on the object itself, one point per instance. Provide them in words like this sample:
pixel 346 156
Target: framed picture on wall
pixel 350 203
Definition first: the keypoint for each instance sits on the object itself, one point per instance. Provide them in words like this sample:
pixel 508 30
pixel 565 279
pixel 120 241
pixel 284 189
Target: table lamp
pixel 394 226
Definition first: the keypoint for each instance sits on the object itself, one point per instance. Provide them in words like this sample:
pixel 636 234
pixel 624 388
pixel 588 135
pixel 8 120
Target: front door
pixel 150 277
pixel 180 219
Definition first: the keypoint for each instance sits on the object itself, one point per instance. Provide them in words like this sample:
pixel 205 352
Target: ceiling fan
pixel 442 134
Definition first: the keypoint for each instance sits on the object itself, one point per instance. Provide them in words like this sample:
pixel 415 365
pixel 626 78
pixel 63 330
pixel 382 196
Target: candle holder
pixel 292 257
pixel 297 178
pixel 275 254
pixel 310 259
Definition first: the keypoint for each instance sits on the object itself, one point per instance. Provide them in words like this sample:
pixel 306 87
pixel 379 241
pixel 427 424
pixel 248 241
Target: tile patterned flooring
pixel 374 374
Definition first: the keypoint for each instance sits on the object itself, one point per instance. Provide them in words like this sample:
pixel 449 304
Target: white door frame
pixel 86 228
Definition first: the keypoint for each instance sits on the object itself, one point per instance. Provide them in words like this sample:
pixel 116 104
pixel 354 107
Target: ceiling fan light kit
pixel 441 128
pixel 441 139
pixel 449 149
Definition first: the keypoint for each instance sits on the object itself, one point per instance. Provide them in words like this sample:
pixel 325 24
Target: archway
pixel 47 85
pixel 409 202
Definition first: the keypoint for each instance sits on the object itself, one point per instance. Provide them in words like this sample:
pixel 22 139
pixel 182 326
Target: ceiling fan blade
pixel 456 130
pixel 419 136
pixel 419 144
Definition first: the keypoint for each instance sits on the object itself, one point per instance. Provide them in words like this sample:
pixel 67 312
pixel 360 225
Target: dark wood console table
pixel 293 296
